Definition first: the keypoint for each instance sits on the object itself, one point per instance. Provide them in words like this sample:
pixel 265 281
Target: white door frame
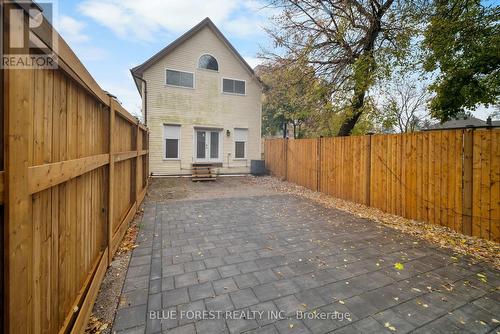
pixel 207 131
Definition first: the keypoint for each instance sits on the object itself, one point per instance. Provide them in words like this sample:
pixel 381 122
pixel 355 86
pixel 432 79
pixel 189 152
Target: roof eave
pixel 139 70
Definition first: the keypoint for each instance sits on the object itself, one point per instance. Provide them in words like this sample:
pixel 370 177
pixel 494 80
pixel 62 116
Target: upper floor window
pixel 208 62
pixel 233 86
pixel 179 78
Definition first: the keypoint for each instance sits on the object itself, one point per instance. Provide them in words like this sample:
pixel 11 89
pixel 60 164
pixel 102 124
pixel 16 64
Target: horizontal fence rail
pixel 449 178
pixel 75 172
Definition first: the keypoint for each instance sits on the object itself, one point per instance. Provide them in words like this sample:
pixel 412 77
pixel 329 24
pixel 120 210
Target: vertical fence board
pixel 449 178
pixel 56 241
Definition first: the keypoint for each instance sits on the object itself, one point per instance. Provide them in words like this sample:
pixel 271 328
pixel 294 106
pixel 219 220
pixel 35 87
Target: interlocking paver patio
pixel 278 252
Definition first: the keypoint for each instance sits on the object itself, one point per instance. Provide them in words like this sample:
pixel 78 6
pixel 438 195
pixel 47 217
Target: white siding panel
pixel 205 105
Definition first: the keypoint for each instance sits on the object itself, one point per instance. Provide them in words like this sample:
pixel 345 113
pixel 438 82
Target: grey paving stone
pixel 175 297
pixel 135 330
pixel 311 299
pixel 130 317
pixel 268 310
pixel 247 267
pixel 366 325
pixel 219 303
pixel 153 326
pixel 214 262
pixel 289 304
pixel 212 326
pixel 244 281
pixel 185 280
pixel 269 329
pixel 175 269
pixel 155 286
pixel 473 319
pixel 265 276
pixel 156 269
pixel 241 325
pixel 188 312
pixel 208 275
pixel 389 318
pixel 228 271
pixel 133 298
pixel 243 298
pixel 139 260
pixel 201 291
pixel 167 283
pixel 154 302
pixel 186 329
pixel 138 271
pixel 194 266
pixel 134 283
pixel 291 326
pixel 240 250
pixel 225 285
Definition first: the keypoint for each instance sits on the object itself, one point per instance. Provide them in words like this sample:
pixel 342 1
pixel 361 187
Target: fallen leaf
pixel 399 266
pixel 390 327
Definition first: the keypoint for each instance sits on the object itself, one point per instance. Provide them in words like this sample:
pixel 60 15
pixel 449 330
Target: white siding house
pixel 202 104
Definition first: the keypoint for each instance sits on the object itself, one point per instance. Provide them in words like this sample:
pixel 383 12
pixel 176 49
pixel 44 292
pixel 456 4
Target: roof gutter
pixel 145 97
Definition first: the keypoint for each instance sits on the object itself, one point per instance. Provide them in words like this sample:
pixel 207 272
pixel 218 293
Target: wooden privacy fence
pixel 449 178
pixel 75 171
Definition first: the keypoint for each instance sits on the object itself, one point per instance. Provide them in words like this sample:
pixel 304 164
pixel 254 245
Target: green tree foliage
pixel 293 96
pixel 348 43
pixel 463 43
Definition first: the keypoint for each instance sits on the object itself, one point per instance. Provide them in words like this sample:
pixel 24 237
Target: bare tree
pixel 405 104
pixel 349 42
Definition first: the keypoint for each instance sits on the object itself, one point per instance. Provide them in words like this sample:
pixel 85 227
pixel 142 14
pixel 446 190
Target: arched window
pixel 208 62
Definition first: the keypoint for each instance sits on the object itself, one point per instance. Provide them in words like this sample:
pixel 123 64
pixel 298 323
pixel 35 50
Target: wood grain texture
pixel 61 205
pixel 449 178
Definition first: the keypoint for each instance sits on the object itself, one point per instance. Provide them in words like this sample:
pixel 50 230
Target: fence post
pixel 111 178
pixel 368 170
pixel 138 178
pixel 286 159
pixel 468 142
pixel 318 164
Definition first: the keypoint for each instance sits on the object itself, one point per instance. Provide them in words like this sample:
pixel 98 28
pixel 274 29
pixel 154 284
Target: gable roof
pixel 138 71
pixel 461 123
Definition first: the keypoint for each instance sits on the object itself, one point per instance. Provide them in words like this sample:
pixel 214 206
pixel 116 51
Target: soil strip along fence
pixel 449 178
pixel 75 171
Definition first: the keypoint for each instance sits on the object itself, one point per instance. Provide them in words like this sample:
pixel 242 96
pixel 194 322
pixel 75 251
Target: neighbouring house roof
pixel 138 71
pixel 469 122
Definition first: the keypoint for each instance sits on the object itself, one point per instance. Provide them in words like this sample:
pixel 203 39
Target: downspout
pixel 145 97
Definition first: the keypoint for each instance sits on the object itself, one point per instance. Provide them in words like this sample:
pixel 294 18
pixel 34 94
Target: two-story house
pixel 202 104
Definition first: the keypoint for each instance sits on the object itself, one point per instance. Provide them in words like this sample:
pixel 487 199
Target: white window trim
pixel 206 69
pixel 184 87
pixel 178 143
pixel 245 156
pixel 226 93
